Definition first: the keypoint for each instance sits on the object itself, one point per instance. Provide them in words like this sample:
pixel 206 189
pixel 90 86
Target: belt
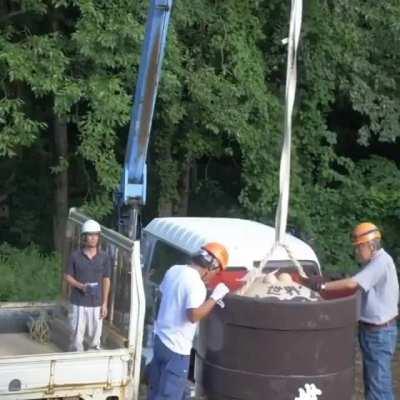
pixel 368 325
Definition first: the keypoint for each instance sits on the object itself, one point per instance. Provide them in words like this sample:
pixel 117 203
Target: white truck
pixel 33 370
pixel 44 369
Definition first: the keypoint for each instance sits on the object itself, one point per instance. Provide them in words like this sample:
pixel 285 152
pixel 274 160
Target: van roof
pixel 246 241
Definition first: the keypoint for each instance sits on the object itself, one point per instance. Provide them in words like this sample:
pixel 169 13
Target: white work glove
pixel 219 292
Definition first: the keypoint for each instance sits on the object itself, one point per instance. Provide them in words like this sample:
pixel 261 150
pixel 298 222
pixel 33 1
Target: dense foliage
pixel 28 274
pixel 68 68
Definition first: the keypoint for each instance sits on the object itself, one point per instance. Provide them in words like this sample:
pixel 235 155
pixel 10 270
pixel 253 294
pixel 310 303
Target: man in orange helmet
pixel 183 304
pixel 379 308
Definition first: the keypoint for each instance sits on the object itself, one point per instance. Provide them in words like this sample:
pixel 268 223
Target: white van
pixel 169 241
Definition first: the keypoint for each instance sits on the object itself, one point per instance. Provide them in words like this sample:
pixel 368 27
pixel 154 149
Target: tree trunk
pixel 184 190
pixel 61 183
pixel 165 206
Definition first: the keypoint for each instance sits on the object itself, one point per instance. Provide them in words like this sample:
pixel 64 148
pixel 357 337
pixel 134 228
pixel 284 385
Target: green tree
pixel 68 69
pixel 347 110
pixel 214 104
pixel 68 72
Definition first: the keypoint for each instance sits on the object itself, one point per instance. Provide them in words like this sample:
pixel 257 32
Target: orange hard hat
pixel 219 252
pixel 365 232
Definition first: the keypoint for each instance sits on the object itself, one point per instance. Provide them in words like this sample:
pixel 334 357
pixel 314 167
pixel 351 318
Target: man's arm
pixel 106 292
pixel 343 287
pixel 69 274
pixel 365 279
pixel 348 284
pixel 196 314
pixel 73 282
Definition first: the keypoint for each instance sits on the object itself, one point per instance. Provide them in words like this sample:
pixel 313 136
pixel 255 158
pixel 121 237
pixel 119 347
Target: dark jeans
pixel 378 346
pixel 168 372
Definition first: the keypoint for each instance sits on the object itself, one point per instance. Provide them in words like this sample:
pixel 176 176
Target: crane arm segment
pixel 133 183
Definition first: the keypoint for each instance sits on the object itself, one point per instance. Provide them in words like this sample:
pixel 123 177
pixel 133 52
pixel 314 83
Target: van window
pixel 310 267
pixel 165 256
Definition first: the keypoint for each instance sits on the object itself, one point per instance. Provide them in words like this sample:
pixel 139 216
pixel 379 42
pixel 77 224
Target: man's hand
pixel 83 287
pixel 103 311
pixel 314 282
pixel 296 277
pixel 219 292
pixel 74 283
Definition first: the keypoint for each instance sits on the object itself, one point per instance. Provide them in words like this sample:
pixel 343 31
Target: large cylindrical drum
pixel 258 349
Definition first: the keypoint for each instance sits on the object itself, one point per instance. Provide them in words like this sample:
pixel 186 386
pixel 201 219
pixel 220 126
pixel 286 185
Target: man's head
pixel 91 233
pixel 211 258
pixel 366 238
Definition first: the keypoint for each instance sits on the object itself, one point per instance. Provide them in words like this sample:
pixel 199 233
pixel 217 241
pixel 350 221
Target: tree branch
pixel 11 15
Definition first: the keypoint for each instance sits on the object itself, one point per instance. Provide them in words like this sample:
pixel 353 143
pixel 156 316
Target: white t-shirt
pixel 181 288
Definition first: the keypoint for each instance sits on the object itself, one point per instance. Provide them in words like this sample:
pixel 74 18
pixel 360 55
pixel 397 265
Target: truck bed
pixel 33 370
pixel 15 344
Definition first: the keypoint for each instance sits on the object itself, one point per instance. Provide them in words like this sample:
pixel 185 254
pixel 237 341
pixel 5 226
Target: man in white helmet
pixel 88 274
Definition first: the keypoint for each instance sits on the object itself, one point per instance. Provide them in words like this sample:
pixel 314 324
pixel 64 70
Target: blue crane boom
pixel 134 178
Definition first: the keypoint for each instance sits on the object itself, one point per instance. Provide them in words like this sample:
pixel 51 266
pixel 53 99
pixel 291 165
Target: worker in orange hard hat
pixel 379 287
pixel 365 232
pixel 183 304
pixel 213 256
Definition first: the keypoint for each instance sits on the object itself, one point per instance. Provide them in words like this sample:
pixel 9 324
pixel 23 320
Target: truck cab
pixel 246 241
pixel 169 241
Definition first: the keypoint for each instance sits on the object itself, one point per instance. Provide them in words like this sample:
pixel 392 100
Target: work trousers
pixel 378 346
pixel 85 320
pixel 168 373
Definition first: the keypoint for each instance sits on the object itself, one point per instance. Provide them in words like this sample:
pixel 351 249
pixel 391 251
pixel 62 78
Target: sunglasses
pixel 209 259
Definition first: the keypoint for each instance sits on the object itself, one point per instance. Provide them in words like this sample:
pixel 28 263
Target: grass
pixel 28 274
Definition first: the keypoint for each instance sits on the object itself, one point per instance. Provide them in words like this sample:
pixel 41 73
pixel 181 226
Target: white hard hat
pixel 91 226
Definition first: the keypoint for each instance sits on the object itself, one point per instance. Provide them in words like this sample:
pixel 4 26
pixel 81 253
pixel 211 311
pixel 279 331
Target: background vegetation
pixel 28 274
pixel 67 73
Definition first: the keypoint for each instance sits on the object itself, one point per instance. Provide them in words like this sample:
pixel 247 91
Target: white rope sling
pixel 284 172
